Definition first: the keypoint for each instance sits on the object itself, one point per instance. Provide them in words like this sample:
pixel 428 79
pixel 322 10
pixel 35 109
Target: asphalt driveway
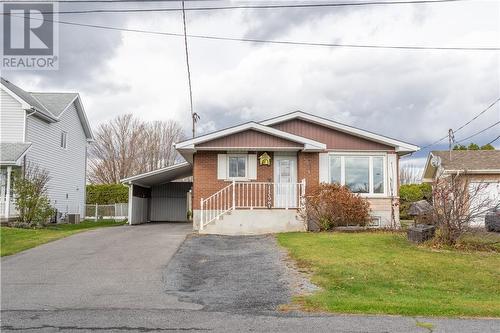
pixel 229 273
pixel 119 267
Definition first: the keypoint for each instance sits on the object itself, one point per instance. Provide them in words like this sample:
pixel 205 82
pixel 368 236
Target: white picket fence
pixel 118 211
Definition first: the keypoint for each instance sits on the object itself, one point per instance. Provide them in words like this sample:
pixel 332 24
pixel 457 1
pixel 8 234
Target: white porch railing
pixel 250 195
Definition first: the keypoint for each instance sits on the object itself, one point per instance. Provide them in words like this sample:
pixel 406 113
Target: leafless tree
pixel 126 146
pixel 157 148
pixel 457 205
pixel 409 174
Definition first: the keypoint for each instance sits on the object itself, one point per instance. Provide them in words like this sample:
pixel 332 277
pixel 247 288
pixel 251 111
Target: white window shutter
pixel 392 175
pixel 324 165
pixel 252 166
pixel 221 166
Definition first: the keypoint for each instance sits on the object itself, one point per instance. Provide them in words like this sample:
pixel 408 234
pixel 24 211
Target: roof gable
pixel 307 143
pixel 398 145
pixel 55 102
pixel 334 139
pixel 49 106
pixel 249 139
pixel 470 161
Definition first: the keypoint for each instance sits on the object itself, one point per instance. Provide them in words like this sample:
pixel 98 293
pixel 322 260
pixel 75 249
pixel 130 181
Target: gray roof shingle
pixel 49 104
pixel 469 159
pixel 10 152
pixel 55 102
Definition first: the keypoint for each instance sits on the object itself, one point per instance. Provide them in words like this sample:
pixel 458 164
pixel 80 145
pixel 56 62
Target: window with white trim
pixel 362 174
pixel 64 139
pixel 237 166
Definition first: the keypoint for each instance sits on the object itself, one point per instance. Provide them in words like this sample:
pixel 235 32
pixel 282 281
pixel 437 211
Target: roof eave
pixel 154 172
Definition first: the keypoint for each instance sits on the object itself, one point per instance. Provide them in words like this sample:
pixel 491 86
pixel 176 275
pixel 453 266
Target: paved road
pixel 117 279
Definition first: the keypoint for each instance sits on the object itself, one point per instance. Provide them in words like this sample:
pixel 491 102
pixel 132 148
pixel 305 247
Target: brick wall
pixel 308 169
pixel 205 182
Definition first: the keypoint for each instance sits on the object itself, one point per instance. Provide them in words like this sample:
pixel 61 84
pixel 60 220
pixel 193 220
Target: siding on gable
pixel 66 167
pixel 332 138
pixel 11 119
pixel 249 139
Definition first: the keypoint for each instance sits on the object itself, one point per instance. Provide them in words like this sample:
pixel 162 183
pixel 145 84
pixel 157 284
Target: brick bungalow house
pixel 251 178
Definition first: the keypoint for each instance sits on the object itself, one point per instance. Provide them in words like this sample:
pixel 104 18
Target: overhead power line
pixel 481 131
pixel 495 139
pixel 266 41
pixel 303 5
pixel 461 127
pixel 98 1
pixel 478 115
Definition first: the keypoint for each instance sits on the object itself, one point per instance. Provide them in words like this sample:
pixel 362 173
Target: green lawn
pixel 383 273
pixel 15 240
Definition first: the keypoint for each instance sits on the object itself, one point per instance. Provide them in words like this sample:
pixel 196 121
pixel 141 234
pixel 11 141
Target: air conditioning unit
pixel 73 218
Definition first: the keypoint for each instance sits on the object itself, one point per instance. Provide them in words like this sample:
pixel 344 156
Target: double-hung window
pixel 64 139
pixel 362 174
pixel 237 166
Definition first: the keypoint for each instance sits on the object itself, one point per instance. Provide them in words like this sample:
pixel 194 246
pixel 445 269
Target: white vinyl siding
pixel 393 175
pixel 221 166
pixel 66 167
pixel 252 166
pixel 237 166
pixel 11 119
pixel 323 168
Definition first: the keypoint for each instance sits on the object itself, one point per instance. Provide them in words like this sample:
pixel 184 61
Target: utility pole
pixel 451 140
pixel 194 116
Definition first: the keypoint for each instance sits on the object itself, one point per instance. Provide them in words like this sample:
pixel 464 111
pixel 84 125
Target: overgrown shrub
pixel 457 205
pixel 32 202
pixel 411 193
pixel 104 194
pixel 332 205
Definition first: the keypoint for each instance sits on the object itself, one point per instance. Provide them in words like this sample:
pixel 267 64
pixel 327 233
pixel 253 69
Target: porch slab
pixel 253 222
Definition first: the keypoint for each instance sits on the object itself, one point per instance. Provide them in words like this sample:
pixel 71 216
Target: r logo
pixel 28 29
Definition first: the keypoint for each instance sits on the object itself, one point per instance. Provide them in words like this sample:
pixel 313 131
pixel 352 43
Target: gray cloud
pixel 413 96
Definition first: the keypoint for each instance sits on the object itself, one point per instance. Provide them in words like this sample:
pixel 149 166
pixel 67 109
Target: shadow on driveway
pixel 229 273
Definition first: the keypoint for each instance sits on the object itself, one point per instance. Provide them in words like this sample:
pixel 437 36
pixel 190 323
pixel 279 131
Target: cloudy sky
pixel 414 96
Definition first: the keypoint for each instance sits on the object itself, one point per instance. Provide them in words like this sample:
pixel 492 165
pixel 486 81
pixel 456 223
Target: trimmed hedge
pixel 411 193
pixel 104 194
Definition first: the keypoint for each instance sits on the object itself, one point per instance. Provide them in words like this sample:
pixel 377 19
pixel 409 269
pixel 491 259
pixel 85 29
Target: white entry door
pixel 285 178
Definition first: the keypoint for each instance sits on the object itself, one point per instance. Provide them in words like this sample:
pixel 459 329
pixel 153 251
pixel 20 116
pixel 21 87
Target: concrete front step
pixel 256 222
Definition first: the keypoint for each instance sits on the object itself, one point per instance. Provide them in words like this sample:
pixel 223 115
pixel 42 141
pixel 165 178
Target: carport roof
pixel 161 176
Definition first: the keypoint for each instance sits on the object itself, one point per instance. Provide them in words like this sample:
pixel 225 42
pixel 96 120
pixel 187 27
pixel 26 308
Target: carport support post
pixel 201 214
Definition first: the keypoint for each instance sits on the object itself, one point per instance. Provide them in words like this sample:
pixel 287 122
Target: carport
pixel 161 195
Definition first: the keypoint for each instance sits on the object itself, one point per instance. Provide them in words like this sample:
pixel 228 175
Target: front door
pixel 285 178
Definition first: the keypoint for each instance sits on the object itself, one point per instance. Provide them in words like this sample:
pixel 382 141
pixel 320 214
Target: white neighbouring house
pixel 51 131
